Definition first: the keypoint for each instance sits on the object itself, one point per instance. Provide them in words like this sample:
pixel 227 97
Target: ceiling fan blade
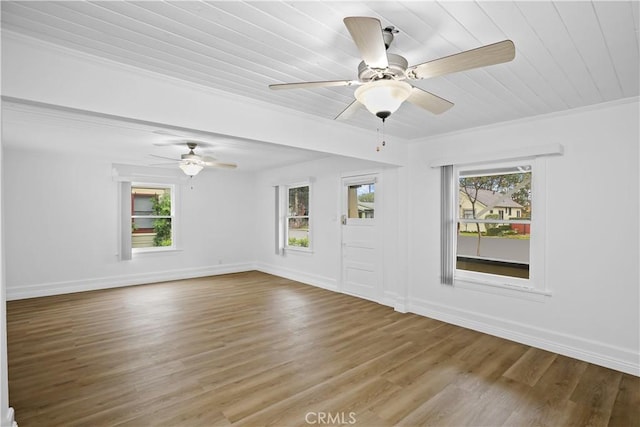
pixel 164 158
pixel 492 54
pixel 309 85
pixel 349 111
pixel 429 101
pixel 221 165
pixel 208 159
pixel 367 34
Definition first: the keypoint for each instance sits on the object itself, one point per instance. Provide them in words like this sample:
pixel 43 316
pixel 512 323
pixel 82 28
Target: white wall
pixel 322 266
pixel 62 226
pixel 592 246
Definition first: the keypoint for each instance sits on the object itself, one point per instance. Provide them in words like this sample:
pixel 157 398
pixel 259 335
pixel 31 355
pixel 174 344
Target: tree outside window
pixel 298 217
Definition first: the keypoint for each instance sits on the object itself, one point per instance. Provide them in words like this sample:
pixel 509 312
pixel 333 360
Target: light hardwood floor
pixel 252 349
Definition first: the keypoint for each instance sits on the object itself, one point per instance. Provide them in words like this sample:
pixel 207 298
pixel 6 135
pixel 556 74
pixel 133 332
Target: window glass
pixel 361 201
pixel 151 217
pixel 298 217
pixel 494 221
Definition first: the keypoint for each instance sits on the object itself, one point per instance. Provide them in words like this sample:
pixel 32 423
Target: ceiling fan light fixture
pixel 191 168
pixel 383 97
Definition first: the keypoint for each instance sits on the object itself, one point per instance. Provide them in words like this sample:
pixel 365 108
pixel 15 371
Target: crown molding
pixel 532 119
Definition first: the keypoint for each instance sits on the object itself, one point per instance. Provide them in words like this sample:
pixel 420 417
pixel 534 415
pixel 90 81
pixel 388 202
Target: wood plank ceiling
pixel 568 54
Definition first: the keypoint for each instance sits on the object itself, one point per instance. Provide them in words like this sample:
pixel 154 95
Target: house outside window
pixel 152 216
pixel 298 223
pixel 361 201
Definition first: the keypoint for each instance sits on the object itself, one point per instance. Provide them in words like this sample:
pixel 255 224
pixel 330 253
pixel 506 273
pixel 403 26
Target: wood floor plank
pixel 401 403
pixel 531 366
pixel 595 394
pixel 626 409
pixel 251 349
pixel 547 403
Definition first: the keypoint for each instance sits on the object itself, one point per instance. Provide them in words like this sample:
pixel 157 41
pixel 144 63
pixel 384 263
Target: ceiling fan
pixel 382 76
pixel 192 163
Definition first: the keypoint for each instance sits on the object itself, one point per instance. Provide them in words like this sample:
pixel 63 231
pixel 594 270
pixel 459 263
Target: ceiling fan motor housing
pixel 397 69
pixel 387 35
pixel 191 157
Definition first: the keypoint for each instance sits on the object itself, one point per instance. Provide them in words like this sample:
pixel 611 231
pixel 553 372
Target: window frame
pixel 173 192
pixel 536 282
pixel 286 217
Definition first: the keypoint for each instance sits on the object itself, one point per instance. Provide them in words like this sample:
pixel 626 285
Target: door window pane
pixel 361 201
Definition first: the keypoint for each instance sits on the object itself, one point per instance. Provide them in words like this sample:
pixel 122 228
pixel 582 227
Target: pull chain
pixel 383 135
pixel 383 142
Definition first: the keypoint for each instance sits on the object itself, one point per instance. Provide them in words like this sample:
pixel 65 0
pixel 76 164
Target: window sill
pixel 299 250
pixel 492 287
pixel 149 251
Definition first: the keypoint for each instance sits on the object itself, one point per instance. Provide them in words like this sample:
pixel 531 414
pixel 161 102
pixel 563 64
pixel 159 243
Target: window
pixel 478 250
pixel 499 224
pixel 152 216
pixel 361 201
pixel 490 243
pixel 298 217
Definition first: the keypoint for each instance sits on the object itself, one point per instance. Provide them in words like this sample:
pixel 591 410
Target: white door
pixel 361 249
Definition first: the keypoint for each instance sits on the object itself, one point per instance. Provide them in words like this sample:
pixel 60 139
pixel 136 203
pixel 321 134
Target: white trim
pixel 390 299
pixel 146 174
pixel 300 250
pixel 493 287
pixel 154 250
pixel 530 119
pixel 9 419
pixel 602 354
pixel 323 282
pixel 57 288
pixel 496 156
pixel 294 182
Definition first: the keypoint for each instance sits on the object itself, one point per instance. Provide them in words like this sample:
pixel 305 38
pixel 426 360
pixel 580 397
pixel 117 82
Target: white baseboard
pixel 323 282
pixel 598 353
pixel 57 288
pixel 9 419
pixel 389 298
